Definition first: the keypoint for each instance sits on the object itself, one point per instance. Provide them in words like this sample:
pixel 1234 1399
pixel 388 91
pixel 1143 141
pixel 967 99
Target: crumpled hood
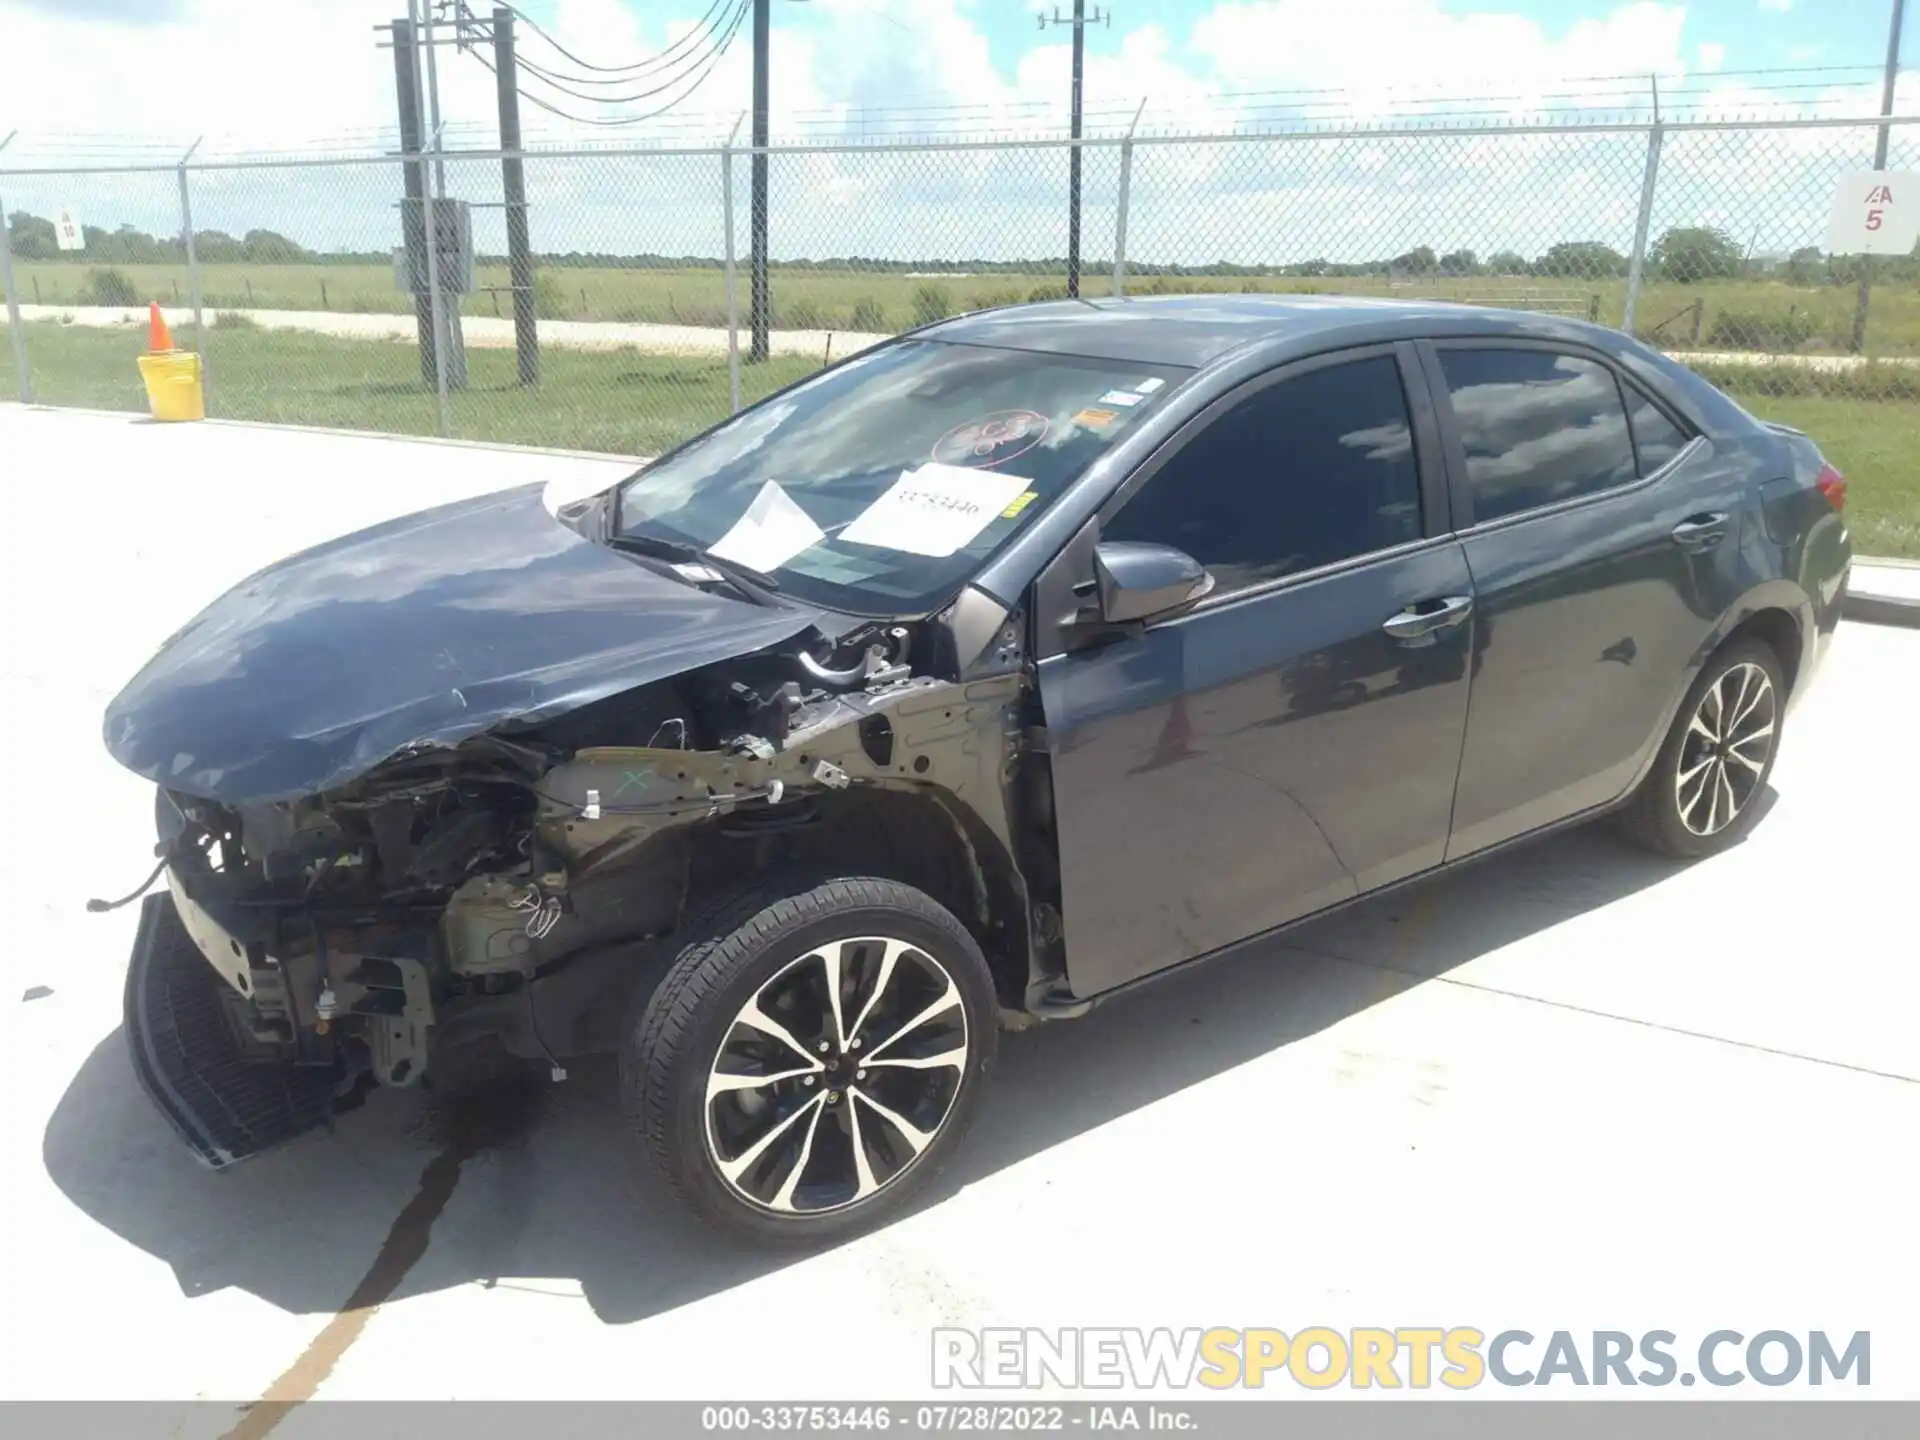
pixel 422 631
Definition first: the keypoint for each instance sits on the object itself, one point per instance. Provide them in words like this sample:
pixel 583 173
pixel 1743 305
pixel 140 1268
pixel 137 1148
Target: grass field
pixel 1736 314
pixel 619 401
pixel 625 402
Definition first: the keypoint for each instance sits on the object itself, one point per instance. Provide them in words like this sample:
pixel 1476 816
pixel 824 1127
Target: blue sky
pixel 838 61
pixel 1756 35
pixel 858 67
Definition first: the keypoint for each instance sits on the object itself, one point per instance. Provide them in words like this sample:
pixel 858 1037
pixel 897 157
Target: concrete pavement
pixel 1573 1087
pixel 1886 592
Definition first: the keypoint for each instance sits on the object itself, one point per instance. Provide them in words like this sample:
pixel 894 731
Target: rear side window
pixel 1656 437
pixel 1538 428
pixel 1303 473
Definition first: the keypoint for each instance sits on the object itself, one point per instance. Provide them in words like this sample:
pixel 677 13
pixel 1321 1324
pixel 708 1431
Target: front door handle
pixel 1428 616
pixel 1701 532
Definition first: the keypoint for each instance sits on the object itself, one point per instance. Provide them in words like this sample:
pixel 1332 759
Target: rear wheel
pixel 813 1058
pixel 1700 797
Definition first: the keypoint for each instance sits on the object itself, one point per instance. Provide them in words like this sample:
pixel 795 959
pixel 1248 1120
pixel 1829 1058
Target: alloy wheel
pixel 836 1076
pixel 1725 752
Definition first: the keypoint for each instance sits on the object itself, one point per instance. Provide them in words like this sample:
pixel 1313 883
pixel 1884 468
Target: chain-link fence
pixel 644 317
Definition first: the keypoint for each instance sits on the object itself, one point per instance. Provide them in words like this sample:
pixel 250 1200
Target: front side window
pixel 1306 472
pixel 880 486
pixel 1538 427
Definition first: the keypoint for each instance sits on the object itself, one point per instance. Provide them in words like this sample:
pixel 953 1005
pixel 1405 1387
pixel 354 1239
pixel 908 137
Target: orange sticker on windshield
pixel 1097 419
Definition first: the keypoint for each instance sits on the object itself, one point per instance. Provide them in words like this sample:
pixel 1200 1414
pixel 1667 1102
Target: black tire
pixel 767 936
pixel 1656 817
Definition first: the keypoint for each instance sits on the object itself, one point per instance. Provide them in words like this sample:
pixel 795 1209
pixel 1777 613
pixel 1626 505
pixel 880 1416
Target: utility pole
pixel 1858 340
pixel 453 347
pixel 1080 21
pixel 413 206
pixel 513 185
pixel 759 302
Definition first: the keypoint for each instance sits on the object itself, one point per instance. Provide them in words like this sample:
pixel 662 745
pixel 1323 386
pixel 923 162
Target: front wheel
pixel 1701 795
pixel 812 1057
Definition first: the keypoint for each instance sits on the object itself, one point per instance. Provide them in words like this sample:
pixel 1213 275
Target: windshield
pixel 879 486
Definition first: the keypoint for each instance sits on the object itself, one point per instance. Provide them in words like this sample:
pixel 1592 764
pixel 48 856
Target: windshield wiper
pixel 751 582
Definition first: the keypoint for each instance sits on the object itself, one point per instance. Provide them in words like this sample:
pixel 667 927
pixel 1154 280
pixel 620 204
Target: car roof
pixel 1197 330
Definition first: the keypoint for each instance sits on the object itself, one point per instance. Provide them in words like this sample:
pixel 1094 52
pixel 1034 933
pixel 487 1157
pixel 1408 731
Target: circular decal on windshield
pixel 992 438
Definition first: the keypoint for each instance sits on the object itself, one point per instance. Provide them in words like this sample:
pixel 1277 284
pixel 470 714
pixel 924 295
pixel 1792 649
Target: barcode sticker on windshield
pixel 773 531
pixel 934 510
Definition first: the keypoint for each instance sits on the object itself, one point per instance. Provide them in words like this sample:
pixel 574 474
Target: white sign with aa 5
pixel 1875 212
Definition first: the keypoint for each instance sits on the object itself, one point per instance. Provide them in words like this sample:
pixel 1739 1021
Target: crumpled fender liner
pixel 226 1105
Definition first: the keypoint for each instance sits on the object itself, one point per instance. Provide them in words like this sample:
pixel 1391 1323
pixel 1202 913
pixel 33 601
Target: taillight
pixel 1832 484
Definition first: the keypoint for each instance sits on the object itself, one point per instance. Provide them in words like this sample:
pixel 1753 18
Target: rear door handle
pixel 1428 616
pixel 1701 532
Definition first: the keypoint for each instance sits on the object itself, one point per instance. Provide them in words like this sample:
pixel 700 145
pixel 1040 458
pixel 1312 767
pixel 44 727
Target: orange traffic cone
pixel 159 338
pixel 172 376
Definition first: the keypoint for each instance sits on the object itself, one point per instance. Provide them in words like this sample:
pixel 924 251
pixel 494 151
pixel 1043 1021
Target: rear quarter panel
pixel 1806 543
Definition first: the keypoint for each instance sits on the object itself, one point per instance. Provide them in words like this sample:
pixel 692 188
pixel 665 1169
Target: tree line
pixel 1684 254
pixel 34 238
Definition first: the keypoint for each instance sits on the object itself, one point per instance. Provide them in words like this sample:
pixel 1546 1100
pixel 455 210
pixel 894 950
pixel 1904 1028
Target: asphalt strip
pixel 489 1117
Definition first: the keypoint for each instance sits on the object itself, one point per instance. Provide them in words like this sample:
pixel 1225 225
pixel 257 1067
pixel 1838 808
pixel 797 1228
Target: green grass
pixel 630 403
pixel 810 299
pixel 619 401
pixel 802 299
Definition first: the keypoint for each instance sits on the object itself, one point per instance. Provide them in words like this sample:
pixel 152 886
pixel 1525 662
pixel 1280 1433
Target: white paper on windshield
pixel 935 509
pixel 772 532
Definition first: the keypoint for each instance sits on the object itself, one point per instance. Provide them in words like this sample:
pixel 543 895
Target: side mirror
pixel 1138 582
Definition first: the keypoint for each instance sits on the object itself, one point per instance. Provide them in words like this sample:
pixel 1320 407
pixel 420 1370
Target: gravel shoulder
pixel 481 331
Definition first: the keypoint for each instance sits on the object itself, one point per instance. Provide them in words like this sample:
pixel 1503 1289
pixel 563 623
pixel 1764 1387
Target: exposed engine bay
pixel 503 893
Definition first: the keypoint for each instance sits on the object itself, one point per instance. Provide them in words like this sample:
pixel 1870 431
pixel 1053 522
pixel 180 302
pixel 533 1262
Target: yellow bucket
pixel 173 385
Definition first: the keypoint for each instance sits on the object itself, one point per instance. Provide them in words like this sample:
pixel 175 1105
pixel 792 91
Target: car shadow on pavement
pixel 557 1192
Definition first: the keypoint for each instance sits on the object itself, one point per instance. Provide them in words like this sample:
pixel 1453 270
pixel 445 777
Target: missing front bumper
pixel 225 1104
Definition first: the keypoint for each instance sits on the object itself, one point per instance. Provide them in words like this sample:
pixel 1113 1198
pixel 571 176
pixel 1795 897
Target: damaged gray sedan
pixel 975 679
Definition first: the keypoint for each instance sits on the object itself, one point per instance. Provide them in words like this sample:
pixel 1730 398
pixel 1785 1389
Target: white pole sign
pixel 1875 212
pixel 67 233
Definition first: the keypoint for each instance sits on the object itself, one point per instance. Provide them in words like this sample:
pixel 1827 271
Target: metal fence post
pixel 14 325
pixel 1857 337
pixel 733 299
pixel 1120 212
pixel 193 271
pixel 1637 265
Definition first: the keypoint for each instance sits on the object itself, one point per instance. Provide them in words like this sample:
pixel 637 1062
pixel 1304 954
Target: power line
pixel 1416 93
pixel 638 67
pixel 693 63
pixel 711 59
pixel 705 27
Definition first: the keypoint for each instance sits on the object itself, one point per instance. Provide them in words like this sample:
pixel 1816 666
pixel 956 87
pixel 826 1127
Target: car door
pixel 1603 540
pixel 1274 749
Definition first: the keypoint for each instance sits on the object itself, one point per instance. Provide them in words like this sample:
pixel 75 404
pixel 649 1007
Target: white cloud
pixel 203 67
pixel 1415 46
pixel 1778 7
pixel 893 66
pixel 312 72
